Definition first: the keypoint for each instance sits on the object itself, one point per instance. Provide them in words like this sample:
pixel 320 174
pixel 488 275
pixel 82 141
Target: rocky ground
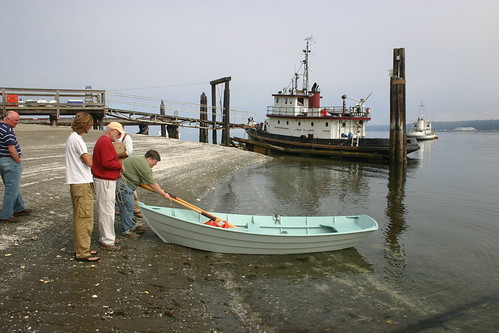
pixel 148 285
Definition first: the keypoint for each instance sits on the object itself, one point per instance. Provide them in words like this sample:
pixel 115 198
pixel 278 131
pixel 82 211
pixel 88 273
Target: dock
pixel 56 107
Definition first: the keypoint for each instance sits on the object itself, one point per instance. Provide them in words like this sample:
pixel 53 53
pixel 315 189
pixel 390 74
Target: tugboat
pixel 421 129
pixel 298 124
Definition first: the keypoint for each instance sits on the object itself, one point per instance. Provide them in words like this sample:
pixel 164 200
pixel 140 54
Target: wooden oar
pixel 186 204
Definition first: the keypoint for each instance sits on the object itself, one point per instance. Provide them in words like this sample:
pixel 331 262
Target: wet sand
pixel 147 286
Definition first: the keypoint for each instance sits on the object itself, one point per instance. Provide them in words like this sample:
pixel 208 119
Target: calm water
pixel 434 260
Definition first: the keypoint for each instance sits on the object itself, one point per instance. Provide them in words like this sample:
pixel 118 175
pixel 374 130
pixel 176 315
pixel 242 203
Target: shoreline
pixel 148 285
pixel 187 169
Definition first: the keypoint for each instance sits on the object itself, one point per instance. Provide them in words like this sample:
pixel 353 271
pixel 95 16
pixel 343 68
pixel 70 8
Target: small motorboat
pixel 253 234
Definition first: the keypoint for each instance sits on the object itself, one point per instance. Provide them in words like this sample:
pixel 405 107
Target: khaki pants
pixel 82 196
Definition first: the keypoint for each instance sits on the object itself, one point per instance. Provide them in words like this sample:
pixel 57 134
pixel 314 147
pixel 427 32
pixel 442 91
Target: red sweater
pixel 105 163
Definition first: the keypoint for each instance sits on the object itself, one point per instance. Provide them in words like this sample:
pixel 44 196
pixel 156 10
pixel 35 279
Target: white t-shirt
pixel 77 172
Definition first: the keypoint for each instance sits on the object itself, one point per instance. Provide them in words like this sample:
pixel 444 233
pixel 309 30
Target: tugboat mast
pixel 305 63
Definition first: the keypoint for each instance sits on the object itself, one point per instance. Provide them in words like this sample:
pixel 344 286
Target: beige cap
pixel 117 126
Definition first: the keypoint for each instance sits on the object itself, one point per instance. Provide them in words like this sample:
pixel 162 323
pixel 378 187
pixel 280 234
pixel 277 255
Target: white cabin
pixel 295 114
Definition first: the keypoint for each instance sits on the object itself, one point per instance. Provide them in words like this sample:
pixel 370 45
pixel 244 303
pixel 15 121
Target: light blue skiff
pixel 258 234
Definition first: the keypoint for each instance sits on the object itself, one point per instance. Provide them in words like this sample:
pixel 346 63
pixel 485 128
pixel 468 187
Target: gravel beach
pixel 149 286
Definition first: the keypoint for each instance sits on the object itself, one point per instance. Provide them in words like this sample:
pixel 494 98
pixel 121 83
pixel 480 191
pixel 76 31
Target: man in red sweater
pixel 106 169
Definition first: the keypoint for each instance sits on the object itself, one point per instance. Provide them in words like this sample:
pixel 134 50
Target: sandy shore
pixel 148 286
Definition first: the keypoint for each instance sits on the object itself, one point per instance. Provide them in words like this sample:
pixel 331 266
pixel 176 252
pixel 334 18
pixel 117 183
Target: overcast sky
pixel 173 49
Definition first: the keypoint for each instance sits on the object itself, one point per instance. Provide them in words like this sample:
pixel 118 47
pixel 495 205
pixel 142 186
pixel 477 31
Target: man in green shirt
pixel 138 170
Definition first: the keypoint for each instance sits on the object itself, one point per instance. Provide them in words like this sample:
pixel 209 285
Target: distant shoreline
pixel 479 125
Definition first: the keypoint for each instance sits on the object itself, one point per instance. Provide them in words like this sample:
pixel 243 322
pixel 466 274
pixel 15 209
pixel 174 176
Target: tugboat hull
pixel 368 148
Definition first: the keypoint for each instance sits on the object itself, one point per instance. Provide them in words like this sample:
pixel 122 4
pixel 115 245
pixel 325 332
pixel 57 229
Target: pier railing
pixel 151 105
pixel 325 111
pixel 36 101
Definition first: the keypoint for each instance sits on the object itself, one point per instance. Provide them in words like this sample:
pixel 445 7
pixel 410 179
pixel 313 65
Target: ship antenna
pixel 421 109
pixel 305 62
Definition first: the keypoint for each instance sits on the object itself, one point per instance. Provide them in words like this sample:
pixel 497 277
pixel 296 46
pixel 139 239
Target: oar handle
pixel 208 215
pixel 172 195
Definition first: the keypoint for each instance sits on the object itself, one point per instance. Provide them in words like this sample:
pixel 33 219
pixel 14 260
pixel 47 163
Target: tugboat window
pixel 327 124
pixel 343 124
pixel 312 124
pixel 287 122
pixel 278 122
pixel 299 123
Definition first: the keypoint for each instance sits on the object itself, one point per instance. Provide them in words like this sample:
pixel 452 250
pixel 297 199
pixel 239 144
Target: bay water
pixel 432 266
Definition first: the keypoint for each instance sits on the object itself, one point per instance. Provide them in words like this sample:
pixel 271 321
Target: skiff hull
pixel 258 234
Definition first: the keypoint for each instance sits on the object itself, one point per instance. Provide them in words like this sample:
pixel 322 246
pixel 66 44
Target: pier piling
pixel 162 112
pixel 225 109
pixel 398 145
pixel 203 117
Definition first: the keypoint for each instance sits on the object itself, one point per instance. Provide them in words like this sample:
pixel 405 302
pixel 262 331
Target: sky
pixel 173 49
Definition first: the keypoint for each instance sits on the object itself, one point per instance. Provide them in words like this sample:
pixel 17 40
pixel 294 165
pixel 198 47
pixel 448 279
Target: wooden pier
pixel 55 107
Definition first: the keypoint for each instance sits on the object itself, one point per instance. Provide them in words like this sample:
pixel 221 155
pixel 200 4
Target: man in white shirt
pixel 79 178
pixel 127 141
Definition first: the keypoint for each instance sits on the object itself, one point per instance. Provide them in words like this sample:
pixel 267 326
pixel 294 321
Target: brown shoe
pixel 88 258
pixel 113 247
pixel 24 212
pixel 131 235
pixel 138 229
pixel 11 220
pixel 137 213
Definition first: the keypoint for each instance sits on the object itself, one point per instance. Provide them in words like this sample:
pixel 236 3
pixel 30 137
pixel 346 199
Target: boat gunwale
pixel 247 231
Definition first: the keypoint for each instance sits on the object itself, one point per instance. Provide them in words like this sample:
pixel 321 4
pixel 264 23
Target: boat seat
pixel 329 226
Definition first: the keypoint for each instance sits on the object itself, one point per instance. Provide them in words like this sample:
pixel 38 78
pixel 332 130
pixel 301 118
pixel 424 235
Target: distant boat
pixel 258 234
pixel 421 128
pixel 298 124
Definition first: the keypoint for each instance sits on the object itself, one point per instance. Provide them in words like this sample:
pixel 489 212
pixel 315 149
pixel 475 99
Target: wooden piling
pixel 172 131
pixel 398 144
pixel 214 113
pixel 226 117
pixel 162 112
pixel 226 107
pixel 203 117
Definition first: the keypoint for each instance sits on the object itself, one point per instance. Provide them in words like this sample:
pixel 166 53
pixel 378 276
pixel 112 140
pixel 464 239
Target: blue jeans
pixel 124 198
pixel 11 175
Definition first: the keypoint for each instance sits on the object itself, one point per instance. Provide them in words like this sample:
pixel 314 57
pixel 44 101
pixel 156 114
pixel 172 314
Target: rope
pixel 119 196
